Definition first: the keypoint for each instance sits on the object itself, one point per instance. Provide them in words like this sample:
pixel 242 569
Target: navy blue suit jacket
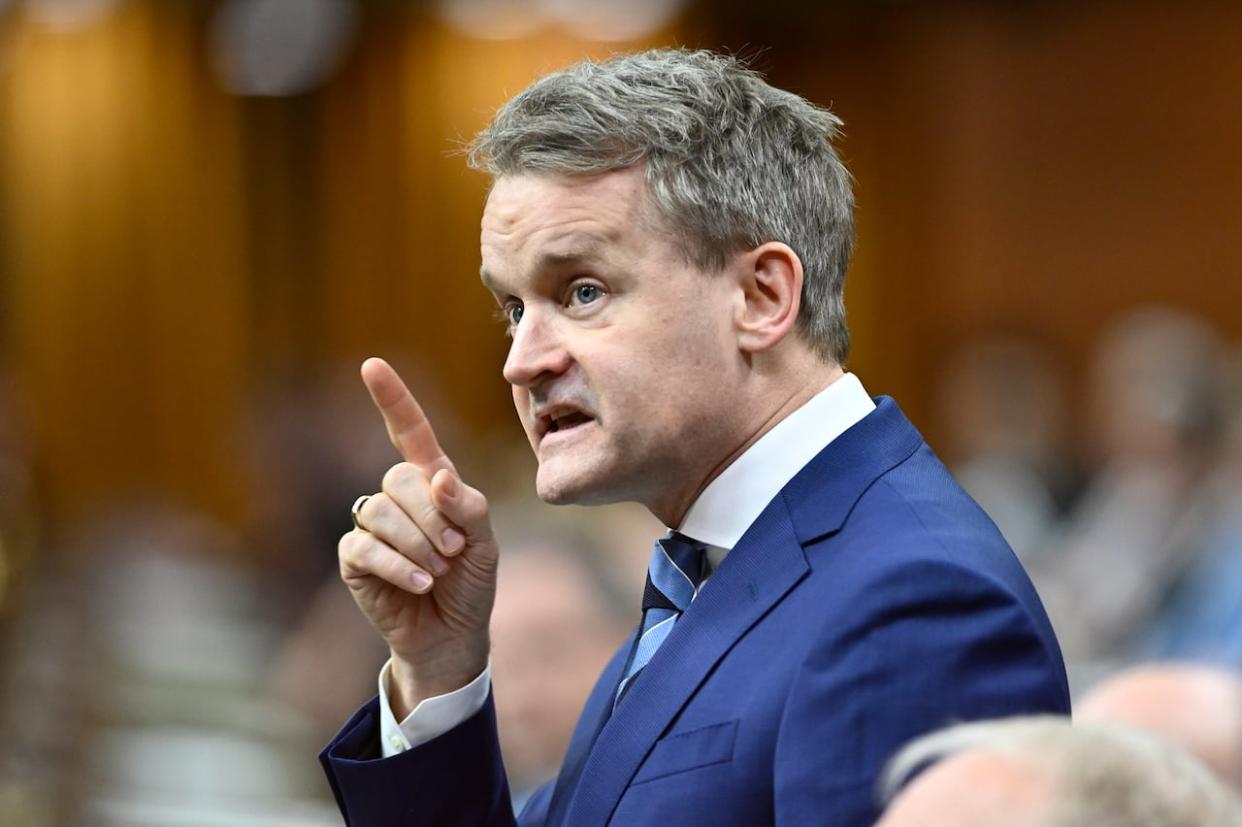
pixel 870 602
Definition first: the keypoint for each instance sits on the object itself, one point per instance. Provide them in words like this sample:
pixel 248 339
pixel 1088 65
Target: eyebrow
pixel 549 259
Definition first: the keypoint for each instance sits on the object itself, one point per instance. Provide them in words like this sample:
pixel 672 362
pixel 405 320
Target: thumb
pixel 462 505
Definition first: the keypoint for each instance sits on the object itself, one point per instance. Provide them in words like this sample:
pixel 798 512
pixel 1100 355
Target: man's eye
pixel 586 293
pixel 509 314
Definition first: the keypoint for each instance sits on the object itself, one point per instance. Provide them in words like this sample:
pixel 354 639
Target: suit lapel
pixel 758 572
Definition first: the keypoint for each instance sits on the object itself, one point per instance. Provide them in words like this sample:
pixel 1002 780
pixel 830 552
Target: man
pixel 667 238
pixel 1045 772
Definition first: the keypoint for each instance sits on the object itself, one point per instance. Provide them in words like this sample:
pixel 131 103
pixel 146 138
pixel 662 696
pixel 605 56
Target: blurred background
pixel 211 212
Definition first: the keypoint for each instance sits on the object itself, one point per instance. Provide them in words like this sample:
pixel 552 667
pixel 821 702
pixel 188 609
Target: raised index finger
pixel 407 425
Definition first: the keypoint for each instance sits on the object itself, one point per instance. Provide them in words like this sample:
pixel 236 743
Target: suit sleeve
pixel 456 778
pixel 921 647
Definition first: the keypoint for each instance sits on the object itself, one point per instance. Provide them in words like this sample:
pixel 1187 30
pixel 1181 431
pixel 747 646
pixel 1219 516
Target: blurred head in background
pixel 1230 454
pixel 1001 404
pixel 1153 389
pixel 1003 396
pixel 558 618
pixel 1199 708
pixel 1143 518
pixel 1046 772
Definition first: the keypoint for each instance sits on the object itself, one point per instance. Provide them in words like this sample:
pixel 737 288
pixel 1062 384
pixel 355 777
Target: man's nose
pixel 536 353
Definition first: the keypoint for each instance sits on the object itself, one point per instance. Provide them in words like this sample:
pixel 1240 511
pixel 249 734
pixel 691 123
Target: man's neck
pixel 789 396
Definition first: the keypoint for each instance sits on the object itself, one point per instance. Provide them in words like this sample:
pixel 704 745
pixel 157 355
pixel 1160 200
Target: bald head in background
pixel 1047 772
pixel 980 789
pixel 1199 708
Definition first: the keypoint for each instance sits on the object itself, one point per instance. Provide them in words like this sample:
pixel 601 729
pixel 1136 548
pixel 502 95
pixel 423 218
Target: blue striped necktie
pixel 673 579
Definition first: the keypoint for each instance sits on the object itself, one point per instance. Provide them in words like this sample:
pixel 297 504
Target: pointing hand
pixel 423 567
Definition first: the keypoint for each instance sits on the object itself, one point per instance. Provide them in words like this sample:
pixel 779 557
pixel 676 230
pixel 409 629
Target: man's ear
pixel 770 278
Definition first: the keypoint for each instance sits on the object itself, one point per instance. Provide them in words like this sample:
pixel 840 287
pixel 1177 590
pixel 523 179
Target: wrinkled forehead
pixel 531 219
pixel 517 201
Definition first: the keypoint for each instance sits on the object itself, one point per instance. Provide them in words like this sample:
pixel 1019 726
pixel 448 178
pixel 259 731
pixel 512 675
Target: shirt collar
pixel 734 500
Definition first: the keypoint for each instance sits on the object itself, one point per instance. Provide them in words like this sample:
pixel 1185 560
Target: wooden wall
pixel 1037 168
pixel 165 247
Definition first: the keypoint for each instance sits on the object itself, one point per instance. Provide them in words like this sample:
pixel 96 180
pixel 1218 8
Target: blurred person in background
pixel 1001 403
pixel 138 661
pixel 1153 416
pixel 667 238
pixel 1201 617
pixel 558 618
pixel 1199 708
pixel 1047 772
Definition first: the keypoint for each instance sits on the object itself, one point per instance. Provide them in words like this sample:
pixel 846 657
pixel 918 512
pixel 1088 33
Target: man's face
pixel 623 354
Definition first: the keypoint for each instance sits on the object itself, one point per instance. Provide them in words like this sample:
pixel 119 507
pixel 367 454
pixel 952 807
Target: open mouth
pixel 564 422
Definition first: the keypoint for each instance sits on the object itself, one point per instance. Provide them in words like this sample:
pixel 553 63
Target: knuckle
pixel 372 508
pixel 475 507
pixel 379 513
pixel 429 516
pixel 351 552
pixel 416 545
pixel 368 554
pixel 398 476
pixel 348 543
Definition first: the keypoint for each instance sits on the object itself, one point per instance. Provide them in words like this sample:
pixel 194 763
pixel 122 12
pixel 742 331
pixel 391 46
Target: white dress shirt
pixel 718 519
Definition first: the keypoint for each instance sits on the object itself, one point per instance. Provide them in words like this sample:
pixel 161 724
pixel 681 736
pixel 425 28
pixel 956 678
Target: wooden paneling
pixel 122 265
pixel 1038 168
pixel 164 246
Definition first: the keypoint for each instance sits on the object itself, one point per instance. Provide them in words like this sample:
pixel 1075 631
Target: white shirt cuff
pixel 433 716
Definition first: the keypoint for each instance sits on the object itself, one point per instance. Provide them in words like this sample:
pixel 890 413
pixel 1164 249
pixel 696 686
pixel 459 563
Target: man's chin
pixel 573 489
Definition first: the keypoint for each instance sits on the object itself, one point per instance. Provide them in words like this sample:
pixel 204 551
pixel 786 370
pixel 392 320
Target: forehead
pixel 563 217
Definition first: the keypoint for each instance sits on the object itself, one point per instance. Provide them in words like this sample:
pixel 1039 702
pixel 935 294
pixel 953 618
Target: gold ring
pixel 353 512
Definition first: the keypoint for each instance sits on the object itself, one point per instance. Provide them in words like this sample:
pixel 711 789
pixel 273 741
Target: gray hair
pixel 1104 775
pixel 731 162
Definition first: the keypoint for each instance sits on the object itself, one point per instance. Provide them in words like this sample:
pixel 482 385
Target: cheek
pixel 671 356
pixel 521 404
